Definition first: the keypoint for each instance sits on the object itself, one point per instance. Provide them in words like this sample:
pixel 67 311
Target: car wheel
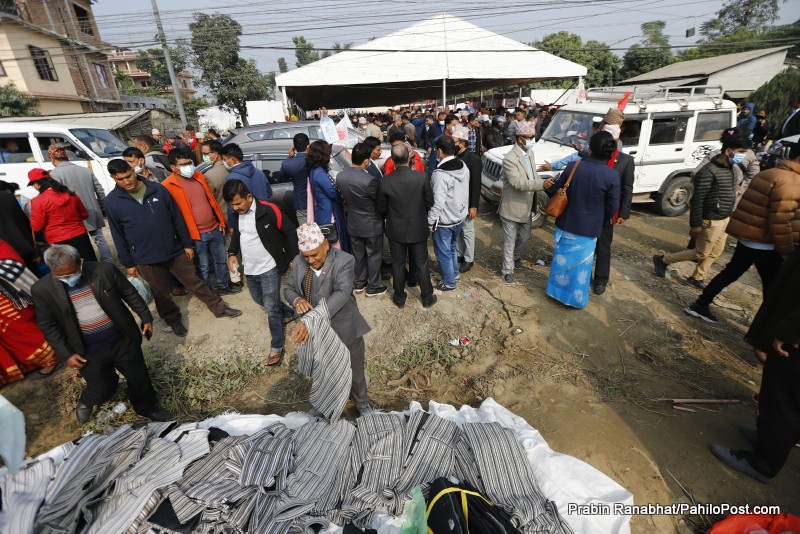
pixel 675 199
pixel 538 215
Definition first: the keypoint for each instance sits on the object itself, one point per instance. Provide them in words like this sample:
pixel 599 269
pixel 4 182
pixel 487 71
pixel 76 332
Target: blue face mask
pixel 72 281
pixel 738 158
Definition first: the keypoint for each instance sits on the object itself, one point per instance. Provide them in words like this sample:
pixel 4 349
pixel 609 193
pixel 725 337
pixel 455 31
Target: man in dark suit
pixel 359 189
pixel 294 167
pixel 791 126
pixel 625 166
pixel 81 309
pixel 404 199
pixel 321 272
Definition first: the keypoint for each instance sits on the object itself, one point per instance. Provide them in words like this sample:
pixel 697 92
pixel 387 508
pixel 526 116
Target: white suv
pixel 667 130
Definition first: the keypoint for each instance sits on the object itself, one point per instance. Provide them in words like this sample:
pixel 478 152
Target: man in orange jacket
pixel 203 218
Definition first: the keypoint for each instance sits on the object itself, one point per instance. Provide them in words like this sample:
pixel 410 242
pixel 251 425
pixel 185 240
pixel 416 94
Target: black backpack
pixel 461 509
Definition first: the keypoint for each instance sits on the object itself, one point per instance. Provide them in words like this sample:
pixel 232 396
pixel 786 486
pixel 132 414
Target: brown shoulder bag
pixel 558 202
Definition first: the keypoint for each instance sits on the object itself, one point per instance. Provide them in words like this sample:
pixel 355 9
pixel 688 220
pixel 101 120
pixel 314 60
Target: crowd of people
pixel 212 233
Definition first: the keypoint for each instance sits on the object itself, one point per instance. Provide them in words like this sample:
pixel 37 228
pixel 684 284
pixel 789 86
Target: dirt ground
pixel 587 379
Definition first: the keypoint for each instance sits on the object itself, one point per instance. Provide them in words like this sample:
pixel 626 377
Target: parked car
pixel 777 152
pixel 23 146
pixel 667 130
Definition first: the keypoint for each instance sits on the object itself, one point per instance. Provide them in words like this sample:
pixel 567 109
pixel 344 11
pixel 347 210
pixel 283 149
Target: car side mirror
pixel 82 154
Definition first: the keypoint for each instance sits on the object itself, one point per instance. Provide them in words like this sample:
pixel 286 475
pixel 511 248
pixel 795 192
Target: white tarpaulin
pixel 411 64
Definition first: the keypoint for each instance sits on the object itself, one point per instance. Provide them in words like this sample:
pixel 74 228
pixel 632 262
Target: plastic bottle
pixel 117 410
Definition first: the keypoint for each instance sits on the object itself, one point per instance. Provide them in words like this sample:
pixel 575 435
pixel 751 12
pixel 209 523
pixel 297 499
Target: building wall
pixel 750 75
pixel 49 106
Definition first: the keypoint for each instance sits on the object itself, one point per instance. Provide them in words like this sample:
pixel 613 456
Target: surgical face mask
pixel 529 143
pixel 441 123
pixel 187 171
pixel 138 169
pixel 72 280
pixel 206 158
pixel 738 158
pixel 225 164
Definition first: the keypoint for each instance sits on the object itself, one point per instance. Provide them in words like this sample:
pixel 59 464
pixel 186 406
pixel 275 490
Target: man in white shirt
pixel 267 241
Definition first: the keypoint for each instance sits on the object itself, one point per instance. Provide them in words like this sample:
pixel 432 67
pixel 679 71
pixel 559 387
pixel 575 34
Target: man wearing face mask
pixel 152 240
pixel 519 189
pixel 216 175
pixel 82 309
pixel 138 163
pixel 254 179
pixel 203 218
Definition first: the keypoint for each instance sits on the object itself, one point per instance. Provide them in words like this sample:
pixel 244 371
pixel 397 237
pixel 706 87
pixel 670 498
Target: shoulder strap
pixel 571 174
pixel 276 209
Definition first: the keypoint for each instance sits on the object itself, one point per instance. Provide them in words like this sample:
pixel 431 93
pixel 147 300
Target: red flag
pixel 623 102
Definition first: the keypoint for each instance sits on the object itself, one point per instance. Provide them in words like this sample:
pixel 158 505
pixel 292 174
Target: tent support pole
pixel 285 102
pixel 444 93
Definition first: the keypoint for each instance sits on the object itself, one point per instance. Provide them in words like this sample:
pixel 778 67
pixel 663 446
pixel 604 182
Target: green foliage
pixel 745 39
pixel 127 87
pixel 231 79
pixel 152 61
pixel 735 15
pixel 337 47
pixel 190 106
pixel 282 66
pixel 602 65
pixel 304 51
pixel 647 56
pixel 14 103
pixel 777 97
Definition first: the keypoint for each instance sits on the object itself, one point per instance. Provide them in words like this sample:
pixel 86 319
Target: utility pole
pixel 176 90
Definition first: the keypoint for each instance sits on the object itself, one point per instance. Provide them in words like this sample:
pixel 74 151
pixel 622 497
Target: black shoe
pixel 466 266
pixel 83 413
pixel 178 292
pixel 701 312
pixel 238 284
pixel 441 287
pixel 359 288
pixel 160 414
pixel 660 266
pixel 599 289
pixel 399 302
pixel 179 330
pixel 518 264
pixel 230 312
pixel 429 302
pixel 376 291
pixel 738 460
pixel 699 284
pixel 461 259
pixel 230 290
pixel 508 279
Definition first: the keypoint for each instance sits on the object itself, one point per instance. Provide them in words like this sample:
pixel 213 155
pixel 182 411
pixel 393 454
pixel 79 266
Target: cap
pixel 309 237
pixel 155 131
pixel 34 175
pixel 614 116
pixel 57 152
pixel 500 118
pixel 525 128
pixel 597 119
pixel 485 118
pixel 461 132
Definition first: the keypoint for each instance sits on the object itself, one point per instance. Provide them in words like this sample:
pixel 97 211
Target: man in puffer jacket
pixel 767 225
pixel 450 182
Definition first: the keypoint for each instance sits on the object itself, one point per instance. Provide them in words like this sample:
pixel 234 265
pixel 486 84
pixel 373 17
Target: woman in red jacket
pixel 60 213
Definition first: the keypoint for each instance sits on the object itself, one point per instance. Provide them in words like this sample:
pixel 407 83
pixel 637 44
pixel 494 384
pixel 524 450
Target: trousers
pixel 102 246
pixel 83 244
pixel 419 253
pixel 358 390
pixel 211 255
pixel 515 237
pixel 602 264
pixel 709 247
pixel 767 262
pixel 368 252
pixel 265 289
pixel 465 245
pixel 101 376
pixel 184 271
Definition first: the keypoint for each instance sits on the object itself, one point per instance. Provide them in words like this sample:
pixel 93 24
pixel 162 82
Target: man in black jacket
pixel 625 166
pixel 268 243
pixel 359 189
pixel 404 199
pixel 776 331
pixel 465 244
pixel 81 310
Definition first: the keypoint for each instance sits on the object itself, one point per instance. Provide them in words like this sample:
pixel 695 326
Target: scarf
pixel 16 282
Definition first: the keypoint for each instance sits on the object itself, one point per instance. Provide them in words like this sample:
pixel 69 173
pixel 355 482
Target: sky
pixel 130 23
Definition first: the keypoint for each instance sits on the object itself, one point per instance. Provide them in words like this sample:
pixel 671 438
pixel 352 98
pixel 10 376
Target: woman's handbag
pixel 558 202
pixel 330 232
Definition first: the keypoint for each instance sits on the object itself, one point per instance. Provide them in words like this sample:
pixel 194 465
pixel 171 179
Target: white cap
pixel 155 131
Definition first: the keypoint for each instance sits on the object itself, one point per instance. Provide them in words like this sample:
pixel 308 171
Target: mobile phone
pixel 147 334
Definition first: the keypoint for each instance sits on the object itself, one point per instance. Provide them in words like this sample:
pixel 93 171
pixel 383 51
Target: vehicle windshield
pixel 568 126
pixel 101 142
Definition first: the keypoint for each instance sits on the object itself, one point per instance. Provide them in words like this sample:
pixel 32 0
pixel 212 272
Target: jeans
pixel 210 249
pixel 266 290
pixel 444 245
pixel 516 235
pixel 102 247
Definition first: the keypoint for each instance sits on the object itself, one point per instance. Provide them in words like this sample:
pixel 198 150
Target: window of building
pixel 2 70
pixel 185 84
pixel 145 84
pixel 102 76
pixel 84 22
pixel 43 63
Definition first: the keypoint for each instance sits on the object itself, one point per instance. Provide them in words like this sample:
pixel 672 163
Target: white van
pixel 667 130
pixel 23 146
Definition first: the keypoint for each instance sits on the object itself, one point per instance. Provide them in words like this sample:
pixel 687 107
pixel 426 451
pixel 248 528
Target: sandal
pixel 275 359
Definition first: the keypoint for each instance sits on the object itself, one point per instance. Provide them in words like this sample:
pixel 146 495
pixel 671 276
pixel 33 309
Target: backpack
pixel 276 209
pixel 461 509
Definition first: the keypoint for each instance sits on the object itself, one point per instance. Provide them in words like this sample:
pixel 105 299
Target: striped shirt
pixel 96 327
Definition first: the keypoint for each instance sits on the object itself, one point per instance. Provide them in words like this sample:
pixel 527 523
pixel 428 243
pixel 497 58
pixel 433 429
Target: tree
pixel 652 54
pixel 127 87
pixel 777 97
pixel 601 64
pixel 231 79
pixel 337 47
pixel 282 66
pixel 752 15
pixel 15 103
pixel 191 106
pixel 152 61
pixel 743 40
pixel 304 51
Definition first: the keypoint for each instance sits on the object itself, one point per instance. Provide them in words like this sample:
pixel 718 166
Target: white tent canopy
pixel 416 62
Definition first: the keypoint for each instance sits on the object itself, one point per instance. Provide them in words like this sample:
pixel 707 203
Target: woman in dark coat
pixel 328 202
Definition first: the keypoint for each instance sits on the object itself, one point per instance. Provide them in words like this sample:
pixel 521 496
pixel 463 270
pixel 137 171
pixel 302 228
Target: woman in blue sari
pixel 593 199
pixel 328 203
